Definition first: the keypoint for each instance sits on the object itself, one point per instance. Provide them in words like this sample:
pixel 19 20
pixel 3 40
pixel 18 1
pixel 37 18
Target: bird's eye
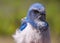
pixel 35 11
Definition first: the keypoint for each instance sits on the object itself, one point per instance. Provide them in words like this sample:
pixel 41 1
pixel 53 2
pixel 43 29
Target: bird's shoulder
pixel 23 24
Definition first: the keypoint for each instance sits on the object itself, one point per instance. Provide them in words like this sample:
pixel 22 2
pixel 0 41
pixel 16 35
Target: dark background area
pixel 12 11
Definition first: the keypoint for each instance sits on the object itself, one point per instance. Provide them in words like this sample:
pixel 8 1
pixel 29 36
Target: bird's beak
pixel 43 18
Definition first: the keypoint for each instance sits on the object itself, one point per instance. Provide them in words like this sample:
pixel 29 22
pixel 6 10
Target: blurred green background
pixel 11 12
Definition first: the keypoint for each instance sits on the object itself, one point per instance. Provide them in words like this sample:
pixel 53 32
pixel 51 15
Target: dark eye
pixel 35 11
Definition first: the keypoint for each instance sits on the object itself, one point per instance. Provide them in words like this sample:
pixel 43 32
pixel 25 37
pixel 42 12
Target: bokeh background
pixel 11 12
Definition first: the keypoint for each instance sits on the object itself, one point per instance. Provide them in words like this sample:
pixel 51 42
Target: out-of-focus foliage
pixel 11 12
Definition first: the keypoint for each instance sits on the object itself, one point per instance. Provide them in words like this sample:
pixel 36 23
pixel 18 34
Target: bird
pixel 34 27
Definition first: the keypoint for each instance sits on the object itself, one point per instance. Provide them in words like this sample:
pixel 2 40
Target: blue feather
pixel 23 26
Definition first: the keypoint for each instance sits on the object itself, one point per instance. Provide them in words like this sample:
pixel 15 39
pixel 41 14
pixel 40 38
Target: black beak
pixel 43 16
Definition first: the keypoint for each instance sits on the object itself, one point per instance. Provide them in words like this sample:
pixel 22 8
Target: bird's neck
pixel 32 23
pixel 38 24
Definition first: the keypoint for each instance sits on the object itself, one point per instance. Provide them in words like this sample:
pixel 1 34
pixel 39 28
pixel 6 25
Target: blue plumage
pixel 31 16
pixel 34 28
pixel 23 26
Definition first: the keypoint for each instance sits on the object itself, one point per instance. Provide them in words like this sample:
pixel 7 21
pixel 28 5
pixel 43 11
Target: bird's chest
pixel 34 37
pixel 28 35
pixel 31 35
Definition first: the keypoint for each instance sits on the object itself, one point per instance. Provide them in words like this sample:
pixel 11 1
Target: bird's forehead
pixel 37 6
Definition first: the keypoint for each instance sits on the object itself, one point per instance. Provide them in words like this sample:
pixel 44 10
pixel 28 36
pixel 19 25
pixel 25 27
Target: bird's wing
pixel 17 34
pixel 23 24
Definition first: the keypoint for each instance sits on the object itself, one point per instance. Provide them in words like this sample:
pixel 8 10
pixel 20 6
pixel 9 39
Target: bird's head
pixel 37 15
pixel 36 12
